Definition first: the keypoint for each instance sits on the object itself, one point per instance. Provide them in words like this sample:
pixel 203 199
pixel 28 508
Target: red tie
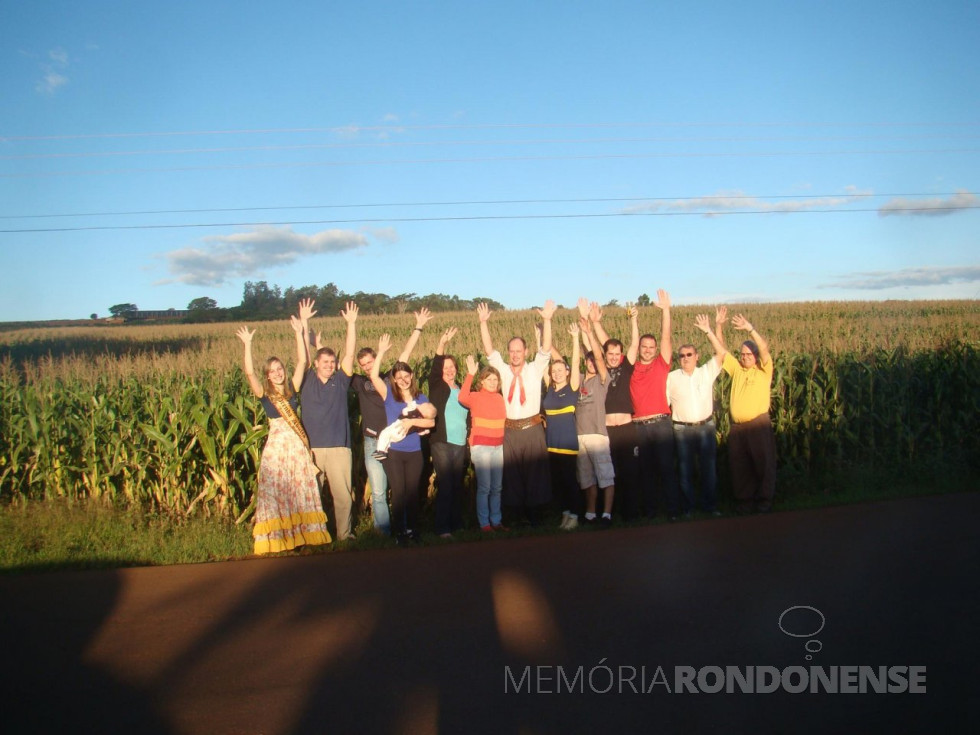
pixel 510 394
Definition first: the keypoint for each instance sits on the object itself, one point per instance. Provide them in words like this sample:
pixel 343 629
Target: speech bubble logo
pixel 804 621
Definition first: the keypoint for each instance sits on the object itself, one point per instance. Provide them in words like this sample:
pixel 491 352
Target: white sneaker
pixel 564 521
pixel 571 523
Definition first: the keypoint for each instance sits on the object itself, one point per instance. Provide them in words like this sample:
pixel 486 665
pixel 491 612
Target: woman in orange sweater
pixel 487 416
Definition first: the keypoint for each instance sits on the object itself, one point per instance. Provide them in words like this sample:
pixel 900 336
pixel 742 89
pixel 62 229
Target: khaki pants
pixel 335 464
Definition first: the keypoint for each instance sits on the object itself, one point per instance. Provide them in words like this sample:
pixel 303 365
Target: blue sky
pixel 761 151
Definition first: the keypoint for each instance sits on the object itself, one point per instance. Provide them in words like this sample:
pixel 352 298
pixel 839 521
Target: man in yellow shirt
pixel 751 442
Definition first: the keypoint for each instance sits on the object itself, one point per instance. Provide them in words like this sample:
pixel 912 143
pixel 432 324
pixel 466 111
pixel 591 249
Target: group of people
pixel 532 424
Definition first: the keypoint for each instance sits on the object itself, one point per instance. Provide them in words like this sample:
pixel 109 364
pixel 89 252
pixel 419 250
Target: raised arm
pixel 721 316
pixel 350 344
pixel 666 346
pixel 302 356
pixel 595 347
pixel 634 346
pixel 546 313
pixel 465 393
pixel 595 316
pixel 576 377
pixel 445 339
pixel 702 323
pixel 253 382
pixel 741 323
pixel 483 312
pixel 301 326
pixel 422 317
pixel 384 344
pixel 435 369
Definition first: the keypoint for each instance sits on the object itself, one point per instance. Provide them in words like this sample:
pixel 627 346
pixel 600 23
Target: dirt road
pixel 586 632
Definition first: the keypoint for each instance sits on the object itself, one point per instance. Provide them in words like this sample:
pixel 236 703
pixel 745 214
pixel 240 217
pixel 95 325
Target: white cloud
pixel 737 201
pixel 933 207
pixel 245 253
pixel 926 276
pixel 388 235
pixel 51 82
pixel 54 76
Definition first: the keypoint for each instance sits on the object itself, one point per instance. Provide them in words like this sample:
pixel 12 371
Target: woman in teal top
pixel 448 440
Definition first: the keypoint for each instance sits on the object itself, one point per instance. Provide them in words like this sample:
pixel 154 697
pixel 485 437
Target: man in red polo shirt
pixel 651 417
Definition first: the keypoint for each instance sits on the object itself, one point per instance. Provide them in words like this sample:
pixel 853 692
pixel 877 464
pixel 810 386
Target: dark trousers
pixel 752 458
pixel 564 483
pixel 527 477
pixel 626 465
pixel 404 471
pixel 449 461
pixel 659 484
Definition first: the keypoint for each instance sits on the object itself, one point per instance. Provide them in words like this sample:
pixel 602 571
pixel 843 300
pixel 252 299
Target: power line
pixel 471 218
pixel 433 143
pixel 488 159
pixel 347 129
pixel 486 202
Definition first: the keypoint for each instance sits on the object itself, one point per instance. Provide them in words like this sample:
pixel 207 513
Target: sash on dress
pixel 292 420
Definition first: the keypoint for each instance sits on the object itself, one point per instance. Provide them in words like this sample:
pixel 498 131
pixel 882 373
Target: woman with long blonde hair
pixel 288 511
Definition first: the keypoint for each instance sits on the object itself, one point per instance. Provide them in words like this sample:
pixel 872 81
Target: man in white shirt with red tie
pixel 527 477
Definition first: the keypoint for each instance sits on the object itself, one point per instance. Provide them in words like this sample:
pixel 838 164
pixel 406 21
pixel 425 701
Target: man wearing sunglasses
pixel 690 392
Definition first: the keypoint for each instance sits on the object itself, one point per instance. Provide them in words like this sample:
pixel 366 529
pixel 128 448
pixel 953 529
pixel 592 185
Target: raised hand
pixel 245 336
pixel 384 344
pixel 583 308
pixel 306 310
pixel 296 324
pixel 573 329
pixel 448 335
pixel 548 310
pixel 702 323
pixel 595 312
pixel 740 322
pixel 350 313
pixel 422 317
pixel 483 311
pixel 663 299
pixel 471 365
pixel 721 314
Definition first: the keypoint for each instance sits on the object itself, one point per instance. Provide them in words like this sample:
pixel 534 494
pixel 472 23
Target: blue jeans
pixel 379 486
pixel 697 444
pixel 489 465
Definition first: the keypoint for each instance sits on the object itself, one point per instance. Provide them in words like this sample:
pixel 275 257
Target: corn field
pixel 162 416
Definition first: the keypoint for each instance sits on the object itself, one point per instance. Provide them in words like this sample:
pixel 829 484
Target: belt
pixel 695 423
pixel 523 423
pixel 652 419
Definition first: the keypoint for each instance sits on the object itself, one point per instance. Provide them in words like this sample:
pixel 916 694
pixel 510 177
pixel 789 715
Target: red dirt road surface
pixel 623 631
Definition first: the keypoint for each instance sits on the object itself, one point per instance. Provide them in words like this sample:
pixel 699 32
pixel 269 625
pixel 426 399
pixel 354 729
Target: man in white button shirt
pixel 527 475
pixel 690 393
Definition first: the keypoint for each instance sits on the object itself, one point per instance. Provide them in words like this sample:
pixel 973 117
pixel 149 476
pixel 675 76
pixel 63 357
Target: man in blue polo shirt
pixel 327 421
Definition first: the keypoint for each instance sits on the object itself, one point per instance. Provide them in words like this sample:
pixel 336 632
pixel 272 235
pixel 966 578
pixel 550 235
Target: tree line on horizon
pixel 261 302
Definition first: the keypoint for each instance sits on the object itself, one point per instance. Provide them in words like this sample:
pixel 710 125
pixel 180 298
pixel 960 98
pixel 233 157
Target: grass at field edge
pixel 43 536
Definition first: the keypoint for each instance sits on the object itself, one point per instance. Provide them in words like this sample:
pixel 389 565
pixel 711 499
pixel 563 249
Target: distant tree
pixel 203 303
pixel 93 316
pixel 402 301
pixel 612 302
pixel 643 300
pixel 203 309
pixel 292 296
pixel 126 311
pixel 261 302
